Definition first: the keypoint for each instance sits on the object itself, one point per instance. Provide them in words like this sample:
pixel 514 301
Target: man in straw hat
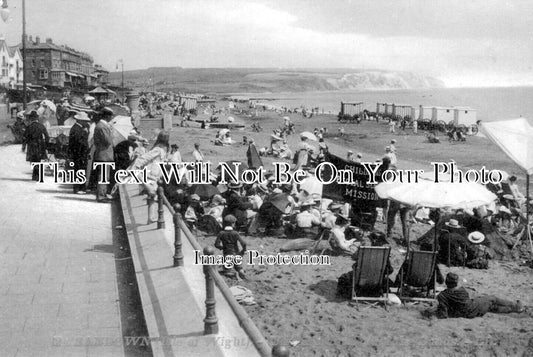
pixel 454 238
pixel 455 301
pixel 35 137
pixel 78 147
pixel 306 222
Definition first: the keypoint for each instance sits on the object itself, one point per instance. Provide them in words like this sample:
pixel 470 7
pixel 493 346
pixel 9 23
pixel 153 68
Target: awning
pixel 515 138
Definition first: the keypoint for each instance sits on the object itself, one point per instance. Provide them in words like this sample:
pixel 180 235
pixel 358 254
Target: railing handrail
pixel 245 321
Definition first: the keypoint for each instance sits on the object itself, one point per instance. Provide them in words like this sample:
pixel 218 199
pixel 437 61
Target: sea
pixel 490 103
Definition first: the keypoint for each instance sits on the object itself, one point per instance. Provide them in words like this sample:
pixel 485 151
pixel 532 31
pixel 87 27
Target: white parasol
pixel 49 104
pixel 309 135
pixel 121 128
pixel 223 132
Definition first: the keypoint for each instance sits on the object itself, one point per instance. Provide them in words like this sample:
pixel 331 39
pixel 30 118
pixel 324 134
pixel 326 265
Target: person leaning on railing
pixel 151 160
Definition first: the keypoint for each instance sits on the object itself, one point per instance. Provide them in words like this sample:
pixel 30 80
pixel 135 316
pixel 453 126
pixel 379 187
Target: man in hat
pixel 391 155
pixel 237 204
pixel 306 222
pixel 302 154
pixel 103 143
pixel 175 155
pixel 338 241
pixel 453 237
pixel 78 148
pixel 455 301
pixel 228 241
pixel 393 146
pixel 35 137
pixel 349 156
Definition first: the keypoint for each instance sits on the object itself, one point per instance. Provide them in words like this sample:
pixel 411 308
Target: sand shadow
pixel 326 288
pixel 79 198
pixel 52 191
pixel 103 248
pixel 15 179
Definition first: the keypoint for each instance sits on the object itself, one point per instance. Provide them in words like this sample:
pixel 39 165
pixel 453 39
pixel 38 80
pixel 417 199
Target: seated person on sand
pixel 455 301
pixel 344 284
pixel 284 152
pixel 227 140
pixel 307 223
pixel 215 208
pixel 237 205
pixel 432 138
pixel 193 211
pixel 337 240
pixel 228 241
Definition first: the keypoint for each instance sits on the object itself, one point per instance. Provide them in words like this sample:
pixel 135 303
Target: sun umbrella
pixel 49 104
pixel 223 132
pixel 275 137
pixel 425 193
pixel 205 191
pixel 309 135
pixel 280 201
pixel 34 102
pixel 312 185
pixel 121 128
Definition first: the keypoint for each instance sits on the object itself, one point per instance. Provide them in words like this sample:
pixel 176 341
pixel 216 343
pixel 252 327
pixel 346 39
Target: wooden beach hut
pixel 380 108
pixel 403 110
pixel 352 108
pixel 188 102
pixel 464 115
pixel 446 114
pixel 425 112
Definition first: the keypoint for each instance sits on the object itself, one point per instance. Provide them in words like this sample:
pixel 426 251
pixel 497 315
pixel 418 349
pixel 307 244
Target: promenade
pixel 59 293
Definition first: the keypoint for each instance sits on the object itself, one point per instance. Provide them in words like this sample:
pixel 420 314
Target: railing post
pixel 211 320
pixel 160 206
pixel 178 254
pixel 280 351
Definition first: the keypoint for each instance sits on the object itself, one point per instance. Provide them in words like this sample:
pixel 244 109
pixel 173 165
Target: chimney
pixel 37 40
pixel 49 41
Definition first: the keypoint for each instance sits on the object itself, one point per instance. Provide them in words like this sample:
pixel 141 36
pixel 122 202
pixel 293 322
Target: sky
pixel 464 43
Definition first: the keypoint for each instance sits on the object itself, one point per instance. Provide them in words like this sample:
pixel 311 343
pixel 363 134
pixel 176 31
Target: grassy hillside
pixel 235 80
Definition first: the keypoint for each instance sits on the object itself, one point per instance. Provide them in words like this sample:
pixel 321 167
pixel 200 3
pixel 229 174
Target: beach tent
pixel 515 138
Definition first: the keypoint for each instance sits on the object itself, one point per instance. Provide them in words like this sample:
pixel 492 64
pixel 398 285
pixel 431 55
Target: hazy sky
pixel 464 43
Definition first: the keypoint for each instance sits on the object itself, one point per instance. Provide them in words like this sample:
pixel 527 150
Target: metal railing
pixel 212 277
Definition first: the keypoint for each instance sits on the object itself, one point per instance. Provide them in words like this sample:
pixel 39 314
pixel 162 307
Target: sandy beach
pixel 296 305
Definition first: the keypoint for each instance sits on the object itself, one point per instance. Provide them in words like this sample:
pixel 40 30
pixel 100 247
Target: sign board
pixel 359 193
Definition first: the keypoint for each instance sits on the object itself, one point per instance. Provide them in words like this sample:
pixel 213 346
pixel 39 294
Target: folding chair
pixel 369 273
pixel 421 272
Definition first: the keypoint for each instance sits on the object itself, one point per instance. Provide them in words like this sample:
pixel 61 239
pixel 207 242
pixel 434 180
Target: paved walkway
pixel 59 294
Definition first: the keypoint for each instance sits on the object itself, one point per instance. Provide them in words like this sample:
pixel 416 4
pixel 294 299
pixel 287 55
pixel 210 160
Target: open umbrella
pixel 121 128
pixel 425 193
pixel 309 135
pixel 313 186
pixel 280 201
pixel 49 104
pixel 223 132
pixel 205 191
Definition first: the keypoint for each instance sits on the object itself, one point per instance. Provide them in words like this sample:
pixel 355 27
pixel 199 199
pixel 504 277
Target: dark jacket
pixel 78 146
pixel 36 137
pixel 237 206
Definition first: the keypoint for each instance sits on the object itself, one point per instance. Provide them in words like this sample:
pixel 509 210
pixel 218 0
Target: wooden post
pixel 160 206
pixel 178 254
pixel 211 320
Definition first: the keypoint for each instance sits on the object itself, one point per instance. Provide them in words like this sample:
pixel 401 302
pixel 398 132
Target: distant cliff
pixel 233 80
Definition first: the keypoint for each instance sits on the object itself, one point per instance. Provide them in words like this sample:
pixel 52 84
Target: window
pixel 447 110
pixel 466 111
pixel 42 62
pixel 4 63
pixel 4 72
pixel 33 62
pixel 43 73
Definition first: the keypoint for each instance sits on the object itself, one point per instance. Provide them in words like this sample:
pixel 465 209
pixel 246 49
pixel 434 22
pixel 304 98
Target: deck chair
pixel 369 273
pixel 420 272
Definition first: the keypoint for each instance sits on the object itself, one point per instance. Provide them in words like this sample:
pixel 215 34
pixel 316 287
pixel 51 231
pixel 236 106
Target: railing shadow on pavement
pixel 212 277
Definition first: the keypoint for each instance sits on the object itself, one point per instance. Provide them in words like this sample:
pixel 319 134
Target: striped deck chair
pixel 369 274
pixel 419 272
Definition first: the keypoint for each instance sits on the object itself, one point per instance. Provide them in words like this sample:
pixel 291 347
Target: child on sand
pixel 228 241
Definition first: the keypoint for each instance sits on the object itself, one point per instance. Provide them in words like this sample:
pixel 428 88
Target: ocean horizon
pixel 491 103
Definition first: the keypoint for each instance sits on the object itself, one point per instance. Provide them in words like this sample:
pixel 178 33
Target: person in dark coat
pixel 78 147
pixel 236 204
pixel 103 143
pixel 35 137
